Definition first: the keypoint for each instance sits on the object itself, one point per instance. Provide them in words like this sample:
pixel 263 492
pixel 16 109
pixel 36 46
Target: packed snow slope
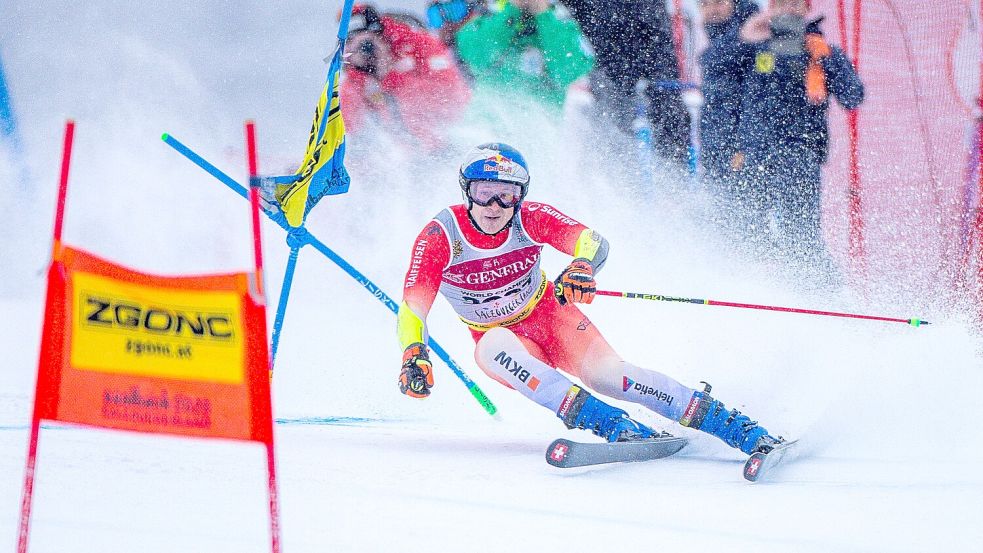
pixel 890 451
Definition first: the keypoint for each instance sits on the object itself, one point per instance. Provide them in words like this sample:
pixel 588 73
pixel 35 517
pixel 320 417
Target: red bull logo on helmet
pixel 506 168
pixel 496 162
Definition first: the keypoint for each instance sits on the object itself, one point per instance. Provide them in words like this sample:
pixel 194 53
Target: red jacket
pixel 423 92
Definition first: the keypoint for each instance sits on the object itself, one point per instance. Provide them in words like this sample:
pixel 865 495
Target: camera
pixel 367 48
pixel 366 59
pixel 788 33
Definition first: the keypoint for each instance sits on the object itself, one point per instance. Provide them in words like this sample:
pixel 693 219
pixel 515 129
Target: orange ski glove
pixel 416 377
pixel 576 283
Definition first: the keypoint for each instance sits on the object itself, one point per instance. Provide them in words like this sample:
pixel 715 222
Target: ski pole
pixel 657 297
pixel 300 236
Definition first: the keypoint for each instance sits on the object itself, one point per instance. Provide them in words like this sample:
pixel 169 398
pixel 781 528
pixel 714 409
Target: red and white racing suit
pixel 496 286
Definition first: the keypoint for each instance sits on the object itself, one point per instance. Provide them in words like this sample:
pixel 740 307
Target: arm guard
pixel 593 248
pixel 410 327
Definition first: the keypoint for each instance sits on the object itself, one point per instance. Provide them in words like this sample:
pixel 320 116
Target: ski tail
pixel 761 463
pixel 565 453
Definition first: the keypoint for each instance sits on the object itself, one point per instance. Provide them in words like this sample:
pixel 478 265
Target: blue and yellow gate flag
pixel 322 172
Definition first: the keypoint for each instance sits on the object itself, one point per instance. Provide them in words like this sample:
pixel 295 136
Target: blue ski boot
pixel 582 410
pixel 736 430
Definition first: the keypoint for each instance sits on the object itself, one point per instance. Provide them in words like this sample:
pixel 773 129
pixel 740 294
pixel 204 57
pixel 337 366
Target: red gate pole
pixel 274 497
pixel 254 204
pixel 24 528
pixel 66 160
pixel 258 256
pixel 856 246
pixel 979 201
pixel 677 37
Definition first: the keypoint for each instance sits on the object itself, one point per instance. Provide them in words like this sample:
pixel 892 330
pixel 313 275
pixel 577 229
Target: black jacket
pixel 725 65
pixel 777 117
pixel 632 40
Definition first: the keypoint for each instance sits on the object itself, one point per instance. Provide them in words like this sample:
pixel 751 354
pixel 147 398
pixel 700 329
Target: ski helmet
pixel 496 162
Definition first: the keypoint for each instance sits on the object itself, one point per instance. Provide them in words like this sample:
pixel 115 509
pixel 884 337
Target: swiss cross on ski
pixel 559 451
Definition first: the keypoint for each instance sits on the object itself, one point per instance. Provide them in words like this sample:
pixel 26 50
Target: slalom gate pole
pixel 254 204
pixel 856 243
pixel 281 308
pixel 978 223
pixel 301 236
pixel 66 161
pixel 10 129
pixel 657 297
pixel 27 500
pixel 24 528
pixel 273 495
pixel 254 185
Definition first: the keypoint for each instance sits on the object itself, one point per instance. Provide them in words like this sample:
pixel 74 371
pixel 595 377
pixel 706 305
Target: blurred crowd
pixel 760 111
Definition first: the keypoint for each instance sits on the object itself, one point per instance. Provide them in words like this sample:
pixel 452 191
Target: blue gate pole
pixel 281 308
pixel 10 130
pixel 8 124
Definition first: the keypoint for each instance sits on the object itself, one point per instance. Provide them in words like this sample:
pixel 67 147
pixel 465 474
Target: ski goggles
pixel 505 194
pixel 452 11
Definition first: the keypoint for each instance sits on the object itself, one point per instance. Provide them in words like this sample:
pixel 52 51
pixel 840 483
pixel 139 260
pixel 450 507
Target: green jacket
pixel 537 57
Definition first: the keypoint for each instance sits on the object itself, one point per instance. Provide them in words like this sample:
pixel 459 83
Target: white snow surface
pixel 890 457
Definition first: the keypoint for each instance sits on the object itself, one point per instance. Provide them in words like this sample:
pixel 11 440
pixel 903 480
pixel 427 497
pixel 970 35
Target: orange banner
pixel 132 351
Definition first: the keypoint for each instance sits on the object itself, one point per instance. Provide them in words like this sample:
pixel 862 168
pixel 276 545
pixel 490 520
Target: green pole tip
pixel 483 400
pixel 164 137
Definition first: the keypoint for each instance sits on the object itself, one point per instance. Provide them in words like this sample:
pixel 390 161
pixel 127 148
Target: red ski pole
pixel 657 297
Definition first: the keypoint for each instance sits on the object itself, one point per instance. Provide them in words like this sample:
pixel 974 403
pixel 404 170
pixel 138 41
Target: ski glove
pixel 416 378
pixel 576 283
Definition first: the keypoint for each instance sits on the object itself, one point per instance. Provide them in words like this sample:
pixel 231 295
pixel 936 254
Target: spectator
pixel 446 17
pixel 634 42
pixel 783 124
pixel 401 76
pixel 724 63
pixel 528 49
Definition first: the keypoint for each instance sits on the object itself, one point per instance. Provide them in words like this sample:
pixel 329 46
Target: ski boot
pixel 736 430
pixel 582 410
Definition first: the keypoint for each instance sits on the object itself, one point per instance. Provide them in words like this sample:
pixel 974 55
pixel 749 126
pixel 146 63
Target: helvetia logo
pixel 646 390
pixel 626 383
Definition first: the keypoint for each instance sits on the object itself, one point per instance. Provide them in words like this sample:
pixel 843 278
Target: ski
pixel 567 454
pixel 758 465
